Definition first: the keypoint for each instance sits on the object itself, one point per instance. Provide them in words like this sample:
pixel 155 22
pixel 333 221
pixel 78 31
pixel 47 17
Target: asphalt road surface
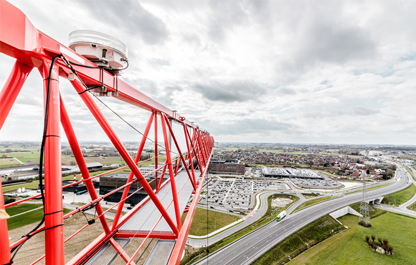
pixel 254 217
pixel 247 249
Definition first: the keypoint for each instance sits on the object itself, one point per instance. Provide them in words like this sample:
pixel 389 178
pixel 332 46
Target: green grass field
pixel 307 203
pixel 33 185
pixel 349 246
pixel 401 196
pixel 26 218
pixel 374 212
pixel 8 162
pixel 214 220
pixel 33 154
pixel 20 208
pixel 412 207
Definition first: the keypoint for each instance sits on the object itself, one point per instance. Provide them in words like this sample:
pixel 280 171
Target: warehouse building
pixel 110 182
pixel 226 167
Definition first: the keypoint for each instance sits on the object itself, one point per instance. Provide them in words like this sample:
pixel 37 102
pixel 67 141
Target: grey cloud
pixel 192 38
pixel 157 61
pixel 225 15
pixel 286 91
pixel 353 111
pixel 361 111
pixel 235 91
pixel 336 43
pixel 324 36
pixel 245 126
pixel 131 16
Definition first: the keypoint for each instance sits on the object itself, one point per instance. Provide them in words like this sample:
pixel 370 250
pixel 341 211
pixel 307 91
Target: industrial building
pixel 226 167
pixel 113 181
pixel 78 187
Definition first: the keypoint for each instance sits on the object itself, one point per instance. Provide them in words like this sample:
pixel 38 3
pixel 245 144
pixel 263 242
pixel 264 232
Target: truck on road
pixel 281 216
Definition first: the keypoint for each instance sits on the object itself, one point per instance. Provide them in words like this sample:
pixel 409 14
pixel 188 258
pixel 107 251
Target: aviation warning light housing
pixel 102 49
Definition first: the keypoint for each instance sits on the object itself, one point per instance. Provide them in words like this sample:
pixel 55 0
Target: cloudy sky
pixel 248 71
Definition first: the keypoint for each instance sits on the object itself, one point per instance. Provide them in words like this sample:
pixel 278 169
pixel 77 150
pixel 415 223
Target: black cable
pixel 88 89
pixel 45 126
pixel 97 67
pixel 83 65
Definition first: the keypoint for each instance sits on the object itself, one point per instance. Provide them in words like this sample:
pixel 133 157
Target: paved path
pixel 397 210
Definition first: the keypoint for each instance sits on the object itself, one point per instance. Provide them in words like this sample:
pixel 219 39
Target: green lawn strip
pixel 349 246
pixel 266 218
pixel 307 203
pixel 27 218
pixel 298 242
pixel 33 184
pixel 22 207
pixel 32 155
pixel 371 188
pixel 8 162
pixel 374 212
pixel 400 196
pixel 204 221
pixel 411 173
pixel 412 207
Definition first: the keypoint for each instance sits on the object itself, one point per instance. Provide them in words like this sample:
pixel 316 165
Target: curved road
pixel 254 217
pixel 247 249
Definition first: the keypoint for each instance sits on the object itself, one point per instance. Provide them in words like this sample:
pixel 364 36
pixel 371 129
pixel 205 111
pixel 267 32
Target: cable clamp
pixel 89 206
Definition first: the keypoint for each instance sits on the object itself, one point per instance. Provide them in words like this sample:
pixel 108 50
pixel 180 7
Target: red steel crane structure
pixel 33 49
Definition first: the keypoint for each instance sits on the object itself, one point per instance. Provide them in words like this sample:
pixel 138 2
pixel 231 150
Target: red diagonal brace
pixel 89 102
pixel 171 174
pixel 189 153
pixel 130 178
pixel 180 153
pixel 76 150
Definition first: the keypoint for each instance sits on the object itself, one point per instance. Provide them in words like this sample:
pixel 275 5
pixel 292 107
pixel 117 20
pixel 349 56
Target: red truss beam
pixel 34 49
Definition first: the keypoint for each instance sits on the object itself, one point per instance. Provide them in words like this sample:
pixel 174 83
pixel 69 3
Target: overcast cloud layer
pixel 252 71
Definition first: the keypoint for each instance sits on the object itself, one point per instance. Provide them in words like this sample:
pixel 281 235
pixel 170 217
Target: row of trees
pixel 383 243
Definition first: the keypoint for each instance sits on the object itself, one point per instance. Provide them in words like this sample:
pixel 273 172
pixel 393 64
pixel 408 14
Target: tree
pixel 393 167
pixel 380 240
pixel 8 150
pixel 387 174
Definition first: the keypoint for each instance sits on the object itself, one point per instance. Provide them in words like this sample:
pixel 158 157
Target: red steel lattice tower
pixel 31 48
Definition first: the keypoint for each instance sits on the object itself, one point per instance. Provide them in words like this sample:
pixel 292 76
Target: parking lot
pixel 325 183
pixel 236 195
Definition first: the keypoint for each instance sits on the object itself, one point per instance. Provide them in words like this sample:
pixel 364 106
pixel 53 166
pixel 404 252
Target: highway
pixel 253 218
pixel 247 249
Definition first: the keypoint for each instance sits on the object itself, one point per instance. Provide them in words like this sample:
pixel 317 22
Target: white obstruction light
pixel 100 48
